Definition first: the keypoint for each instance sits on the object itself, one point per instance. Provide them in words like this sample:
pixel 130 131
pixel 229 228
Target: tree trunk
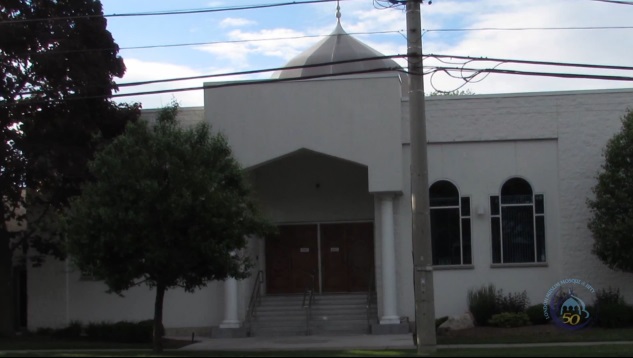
pixel 6 284
pixel 158 318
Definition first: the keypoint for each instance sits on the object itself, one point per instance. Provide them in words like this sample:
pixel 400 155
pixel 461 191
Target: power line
pixel 529 28
pixel 530 62
pixel 171 12
pixel 434 69
pixel 144 47
pixel 430 70
pixel 55 51
pixel 250 72
pixel 469 59
pixel 615 2
pixel 477 71
pixel 226 84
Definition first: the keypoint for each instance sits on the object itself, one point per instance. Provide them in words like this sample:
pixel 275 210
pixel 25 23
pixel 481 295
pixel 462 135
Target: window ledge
pixel 520 264
pixel 452 267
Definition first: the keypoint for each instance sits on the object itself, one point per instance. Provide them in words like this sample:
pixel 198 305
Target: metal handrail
pixel 308 300
pixel 371 288
pixel 256 300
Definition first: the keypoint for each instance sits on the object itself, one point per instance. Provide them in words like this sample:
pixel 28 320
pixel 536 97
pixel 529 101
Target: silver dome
pixel 339 46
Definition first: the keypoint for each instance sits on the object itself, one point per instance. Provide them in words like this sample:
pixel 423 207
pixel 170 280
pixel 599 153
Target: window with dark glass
pixel 450 225
pixel 517 224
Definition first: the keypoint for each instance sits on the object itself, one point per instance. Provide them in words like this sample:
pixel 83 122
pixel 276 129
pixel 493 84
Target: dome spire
pixel 338 11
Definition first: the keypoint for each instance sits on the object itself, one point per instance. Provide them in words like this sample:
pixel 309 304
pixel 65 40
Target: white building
pixel 329 158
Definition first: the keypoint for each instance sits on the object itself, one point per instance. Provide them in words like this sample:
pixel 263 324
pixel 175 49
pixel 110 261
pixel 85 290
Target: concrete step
pixel 283 315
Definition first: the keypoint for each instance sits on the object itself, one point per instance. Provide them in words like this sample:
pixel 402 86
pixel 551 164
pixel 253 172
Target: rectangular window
pixel 451 234
pixel 445 236
pixel 494 205
pixel 465 201
pixel 495 229
pixel 539 205
pixel 539 216
pixel 466 246
pixel 517 226
pixel 517 230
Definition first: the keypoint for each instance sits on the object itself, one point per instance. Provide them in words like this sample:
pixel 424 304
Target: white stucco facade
pixel 337 150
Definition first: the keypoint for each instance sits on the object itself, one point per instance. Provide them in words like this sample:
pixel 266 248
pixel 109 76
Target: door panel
pixel 291 258
pixel 361 260
pixel 334 258
pixel 347 256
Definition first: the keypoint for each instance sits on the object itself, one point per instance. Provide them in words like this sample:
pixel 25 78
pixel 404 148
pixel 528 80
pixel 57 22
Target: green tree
pixel 169 207
pixel 612 206
pixel 57 64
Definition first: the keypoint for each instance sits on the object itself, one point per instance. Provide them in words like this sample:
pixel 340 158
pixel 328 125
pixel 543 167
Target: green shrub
pixel 614 315
pixel 608 296
pixel 610 310
pixel 486 301
pixel 536 314
pixel 512 302
pixel 482 303
pixel 509 319
pixel 100 331
pixel 44 331
pixel 122 332
pixel 73 331
pixel 149 324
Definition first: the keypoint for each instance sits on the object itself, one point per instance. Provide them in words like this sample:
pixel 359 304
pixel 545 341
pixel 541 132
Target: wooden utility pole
pixel 421 228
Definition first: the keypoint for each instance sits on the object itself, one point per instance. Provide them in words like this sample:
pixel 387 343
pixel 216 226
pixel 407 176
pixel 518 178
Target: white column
pixel 389 303
pixel 230 304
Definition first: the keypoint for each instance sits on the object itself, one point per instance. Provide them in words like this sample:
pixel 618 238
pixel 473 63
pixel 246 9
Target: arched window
pixel 517 224
pixel 450 225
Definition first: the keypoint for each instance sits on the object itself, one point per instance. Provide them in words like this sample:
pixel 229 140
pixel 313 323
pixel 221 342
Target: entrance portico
pixel 330 238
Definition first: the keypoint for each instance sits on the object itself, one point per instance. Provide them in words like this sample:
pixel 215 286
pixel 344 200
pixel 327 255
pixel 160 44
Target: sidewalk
pixel 339 342
pixel 344 342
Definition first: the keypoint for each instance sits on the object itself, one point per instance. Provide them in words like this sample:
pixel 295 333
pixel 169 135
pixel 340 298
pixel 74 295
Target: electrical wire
pixel 170 12
pixel 56 51
pixel 561 28
pixel 615 2
pixel 531 62
pixel 439 57
pixel 37 100
pixel 468 74
pixel 401 32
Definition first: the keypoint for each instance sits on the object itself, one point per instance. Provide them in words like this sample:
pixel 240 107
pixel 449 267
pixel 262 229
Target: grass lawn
pixel 38 346
pixel 534 334
pixel 35 342
pixel 615 350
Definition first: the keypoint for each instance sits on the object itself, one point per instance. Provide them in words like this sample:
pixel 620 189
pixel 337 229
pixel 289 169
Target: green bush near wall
pixel 482 303
pixel 487 301
pixel 119 332
pixel 536 314
pixel 509 319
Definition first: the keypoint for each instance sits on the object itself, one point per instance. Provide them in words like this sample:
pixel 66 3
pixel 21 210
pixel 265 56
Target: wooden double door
pixel 335 257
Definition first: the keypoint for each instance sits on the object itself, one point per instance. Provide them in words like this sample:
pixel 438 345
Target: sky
pixel 212 43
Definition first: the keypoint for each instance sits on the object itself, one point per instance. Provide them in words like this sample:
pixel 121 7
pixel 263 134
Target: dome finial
pixel 338 11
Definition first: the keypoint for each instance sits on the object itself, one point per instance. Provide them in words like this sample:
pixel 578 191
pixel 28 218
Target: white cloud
pixel 236 22
pixel 278 43
pixel 578 46
pixel 138 71
pixel 584 46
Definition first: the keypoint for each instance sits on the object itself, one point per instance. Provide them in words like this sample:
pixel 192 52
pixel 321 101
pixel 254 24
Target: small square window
pixel 465 206
pixel 494 205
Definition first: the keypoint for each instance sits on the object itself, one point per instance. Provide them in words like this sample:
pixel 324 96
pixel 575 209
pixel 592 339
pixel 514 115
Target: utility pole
pixel 421 228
